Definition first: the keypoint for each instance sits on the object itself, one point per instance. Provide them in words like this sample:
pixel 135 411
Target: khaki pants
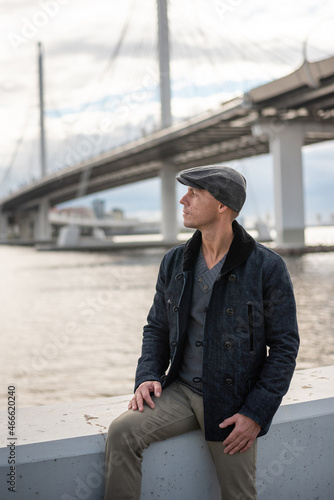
pixel 177 411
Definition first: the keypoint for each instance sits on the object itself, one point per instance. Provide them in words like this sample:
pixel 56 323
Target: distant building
pixel 117 214
pixel 98 207
pixel 81 212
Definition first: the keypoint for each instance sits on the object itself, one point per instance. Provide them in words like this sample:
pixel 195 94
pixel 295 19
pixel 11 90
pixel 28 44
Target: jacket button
pixel 228 382
pixel 232 277
pixel 198 343
pixel 179 277
pixel 197 380
pixel 173 343
pixel 175 308
pixel 230 311
pixel 228 345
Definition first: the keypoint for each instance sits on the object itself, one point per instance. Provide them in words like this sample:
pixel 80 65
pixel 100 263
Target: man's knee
pixel 117 429
pixel 123 433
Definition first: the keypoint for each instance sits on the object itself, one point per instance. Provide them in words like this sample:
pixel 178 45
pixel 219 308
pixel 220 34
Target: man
pixel 221 300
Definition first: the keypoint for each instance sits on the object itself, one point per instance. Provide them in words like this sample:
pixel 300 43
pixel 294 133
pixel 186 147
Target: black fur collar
pixel 240 249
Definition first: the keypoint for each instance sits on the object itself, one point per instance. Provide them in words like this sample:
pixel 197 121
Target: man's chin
pixel 188 224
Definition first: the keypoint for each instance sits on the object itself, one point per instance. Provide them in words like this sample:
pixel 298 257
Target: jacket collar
pixel 240 249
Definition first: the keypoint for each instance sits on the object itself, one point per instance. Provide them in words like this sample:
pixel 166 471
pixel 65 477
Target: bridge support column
pixel 42 229
pixel 286 148
pixel 168 203
pixel 3 226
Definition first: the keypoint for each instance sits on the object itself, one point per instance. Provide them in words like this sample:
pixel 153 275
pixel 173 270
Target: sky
pixel 101 83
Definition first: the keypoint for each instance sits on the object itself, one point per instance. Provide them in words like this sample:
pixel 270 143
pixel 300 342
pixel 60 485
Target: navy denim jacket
pixel 250 336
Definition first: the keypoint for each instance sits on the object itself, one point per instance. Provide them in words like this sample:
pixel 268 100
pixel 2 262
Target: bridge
pixel 279 117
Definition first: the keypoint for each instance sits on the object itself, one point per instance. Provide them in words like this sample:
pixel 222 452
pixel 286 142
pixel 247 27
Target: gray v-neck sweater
pixel 190 370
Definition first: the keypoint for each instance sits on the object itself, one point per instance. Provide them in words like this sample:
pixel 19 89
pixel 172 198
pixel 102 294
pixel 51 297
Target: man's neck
pixel 215 244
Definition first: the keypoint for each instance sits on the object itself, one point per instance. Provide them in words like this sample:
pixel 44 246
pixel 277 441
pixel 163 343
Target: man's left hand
pixel 243 435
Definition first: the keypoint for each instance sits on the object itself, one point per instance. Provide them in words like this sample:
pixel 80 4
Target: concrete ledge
pixel 59 451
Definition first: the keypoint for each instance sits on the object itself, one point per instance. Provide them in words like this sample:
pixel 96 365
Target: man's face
pixel 200 209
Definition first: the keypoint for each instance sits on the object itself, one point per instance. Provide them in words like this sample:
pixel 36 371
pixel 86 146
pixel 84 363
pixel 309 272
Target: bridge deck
pixel 224 134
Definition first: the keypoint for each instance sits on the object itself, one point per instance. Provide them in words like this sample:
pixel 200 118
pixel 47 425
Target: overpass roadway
pixel 301 103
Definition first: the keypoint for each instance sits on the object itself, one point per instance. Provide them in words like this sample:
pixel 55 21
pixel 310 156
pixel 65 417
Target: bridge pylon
pixel 168 171
pixel 168 202
pixel 286 142
pixel 42 226
pixel 3 226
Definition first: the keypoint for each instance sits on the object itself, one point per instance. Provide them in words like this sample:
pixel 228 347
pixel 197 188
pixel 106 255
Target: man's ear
pixel 222 208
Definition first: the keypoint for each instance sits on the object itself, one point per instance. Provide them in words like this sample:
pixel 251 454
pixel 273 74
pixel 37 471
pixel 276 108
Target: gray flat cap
pixel 224 183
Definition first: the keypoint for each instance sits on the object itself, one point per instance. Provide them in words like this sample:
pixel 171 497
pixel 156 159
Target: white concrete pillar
pixel 286 148
pixel 168 203
pixel 3 226
pixel 26 223
pixel 42 230
pixel 68 236
pixel 286 144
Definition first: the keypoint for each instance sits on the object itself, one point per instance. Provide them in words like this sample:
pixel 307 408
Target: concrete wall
pixel 59 451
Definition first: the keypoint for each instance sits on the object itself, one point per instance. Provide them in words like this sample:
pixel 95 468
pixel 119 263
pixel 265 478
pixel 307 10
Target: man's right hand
pixel 143 393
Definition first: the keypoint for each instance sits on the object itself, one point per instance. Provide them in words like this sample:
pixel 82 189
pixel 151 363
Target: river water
pixel 71 322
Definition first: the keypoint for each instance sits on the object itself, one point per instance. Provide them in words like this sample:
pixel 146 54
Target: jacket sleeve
pixel 155 353
pixel 282 339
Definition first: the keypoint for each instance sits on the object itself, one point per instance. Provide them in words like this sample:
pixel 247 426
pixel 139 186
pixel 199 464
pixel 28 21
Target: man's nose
pixel 183 200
